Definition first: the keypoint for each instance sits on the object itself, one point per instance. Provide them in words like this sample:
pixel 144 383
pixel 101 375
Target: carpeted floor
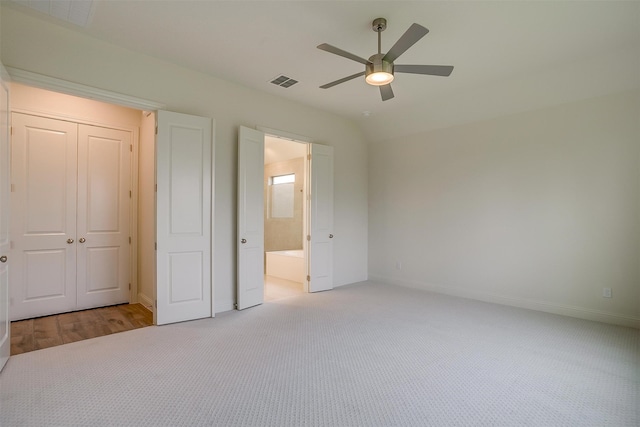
pixel 360 355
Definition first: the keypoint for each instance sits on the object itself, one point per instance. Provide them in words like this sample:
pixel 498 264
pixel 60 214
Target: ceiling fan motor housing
pixel 378 65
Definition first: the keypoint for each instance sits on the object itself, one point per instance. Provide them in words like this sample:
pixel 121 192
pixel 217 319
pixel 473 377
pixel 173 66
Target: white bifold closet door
pixel 70 223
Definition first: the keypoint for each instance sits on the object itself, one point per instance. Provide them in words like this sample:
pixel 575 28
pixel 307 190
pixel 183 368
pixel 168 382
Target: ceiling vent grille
pixel 284 81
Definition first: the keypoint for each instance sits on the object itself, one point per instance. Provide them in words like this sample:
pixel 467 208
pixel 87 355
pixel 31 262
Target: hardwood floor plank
pixel 72 332
pixel 85 316
pixel 115 319
pixel 45 327
pixel 52 341
pixel 136 315
pixel 34 334
pixel 22 344
pixel 22 327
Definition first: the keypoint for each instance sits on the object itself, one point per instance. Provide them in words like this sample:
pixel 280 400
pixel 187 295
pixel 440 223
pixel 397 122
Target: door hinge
pixel 11 130
pixel 155 246
pixel 155 303
pixel 156 128
pixel 308 156
pixel 308 237
pixel 131 147
pixel 129 193
pixel 308 278
pixel 129 286
pixel 13 188
pixel 129 239
pixel 156 188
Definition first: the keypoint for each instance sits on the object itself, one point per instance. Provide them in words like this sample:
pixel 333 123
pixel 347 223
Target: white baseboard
pixel 548 307
pixel 146 301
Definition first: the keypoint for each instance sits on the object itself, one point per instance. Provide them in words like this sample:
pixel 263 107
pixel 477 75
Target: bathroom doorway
pixel 317 208
pixel 285 196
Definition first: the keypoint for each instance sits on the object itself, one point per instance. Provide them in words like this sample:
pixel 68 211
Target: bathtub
pixel 287 265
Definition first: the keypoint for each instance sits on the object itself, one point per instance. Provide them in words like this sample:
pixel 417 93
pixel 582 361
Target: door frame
pixel 53 84
pixel 133 206
pixel 275 133
pixel 300 139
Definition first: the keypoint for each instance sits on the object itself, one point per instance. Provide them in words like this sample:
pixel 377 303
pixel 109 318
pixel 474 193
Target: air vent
pixel 284 81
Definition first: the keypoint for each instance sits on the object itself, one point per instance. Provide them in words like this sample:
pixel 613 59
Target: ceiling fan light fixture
pixel 380 78
pixel 378 71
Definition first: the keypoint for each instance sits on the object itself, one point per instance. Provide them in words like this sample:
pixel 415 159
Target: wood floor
pixel 42 332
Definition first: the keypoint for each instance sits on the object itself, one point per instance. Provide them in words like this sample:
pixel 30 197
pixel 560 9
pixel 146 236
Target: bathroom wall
pixel 284 233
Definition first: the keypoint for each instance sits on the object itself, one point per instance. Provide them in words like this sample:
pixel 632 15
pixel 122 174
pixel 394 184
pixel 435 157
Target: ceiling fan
pixel 380 67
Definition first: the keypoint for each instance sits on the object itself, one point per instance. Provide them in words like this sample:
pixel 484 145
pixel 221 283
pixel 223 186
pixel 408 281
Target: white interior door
pixel 321 219
pixel 104 197
pixel 5 178
pixel 43 226
pixel 183 211
pixel 250 284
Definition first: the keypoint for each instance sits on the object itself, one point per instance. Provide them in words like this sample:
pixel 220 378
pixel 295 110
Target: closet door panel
pixel 104 184
pixel 43 212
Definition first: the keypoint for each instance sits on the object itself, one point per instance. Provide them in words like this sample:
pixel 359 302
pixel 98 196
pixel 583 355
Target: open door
pixel 183 212
pixel 250 282
pixel 5 325
pixel 320 273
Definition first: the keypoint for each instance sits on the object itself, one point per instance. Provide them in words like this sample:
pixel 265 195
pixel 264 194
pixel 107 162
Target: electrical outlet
pixel 606 292
pixel 398 265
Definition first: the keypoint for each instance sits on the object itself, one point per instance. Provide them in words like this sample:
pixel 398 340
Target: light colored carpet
pixel 360 355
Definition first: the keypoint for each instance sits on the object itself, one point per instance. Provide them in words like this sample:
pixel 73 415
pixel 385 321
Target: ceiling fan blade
pixel 342 80
pixel 386 92
pixel 332 49
pixel 408 39
pixel 432 70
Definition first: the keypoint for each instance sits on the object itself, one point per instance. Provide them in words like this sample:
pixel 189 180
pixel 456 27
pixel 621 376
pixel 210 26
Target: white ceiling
pixel 509 56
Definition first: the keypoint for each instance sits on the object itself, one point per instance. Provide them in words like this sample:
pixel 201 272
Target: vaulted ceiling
pixel 509 56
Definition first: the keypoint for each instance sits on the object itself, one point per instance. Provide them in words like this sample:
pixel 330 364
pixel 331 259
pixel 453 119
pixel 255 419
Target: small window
pixel 282 195
pixel 283 179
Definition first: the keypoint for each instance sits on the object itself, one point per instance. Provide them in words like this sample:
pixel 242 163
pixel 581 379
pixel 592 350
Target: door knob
pixel 3 258
pixel 243 241
pixel 69 241
pixel 82 240
pixel 331 236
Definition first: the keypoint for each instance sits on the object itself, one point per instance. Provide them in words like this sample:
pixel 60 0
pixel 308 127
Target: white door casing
pixel 321 219
pixel 184 149
pixel 104 198
pixel 250 255
pixel 43 227
pixel 5 179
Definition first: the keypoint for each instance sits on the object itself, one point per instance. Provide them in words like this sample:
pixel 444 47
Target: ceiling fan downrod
pixel 379 25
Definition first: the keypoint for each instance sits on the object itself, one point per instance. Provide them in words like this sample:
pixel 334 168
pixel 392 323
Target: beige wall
pixel 146 210
pixel 38 101
pixel 285 233
pixel 45 48
pixel 539 209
